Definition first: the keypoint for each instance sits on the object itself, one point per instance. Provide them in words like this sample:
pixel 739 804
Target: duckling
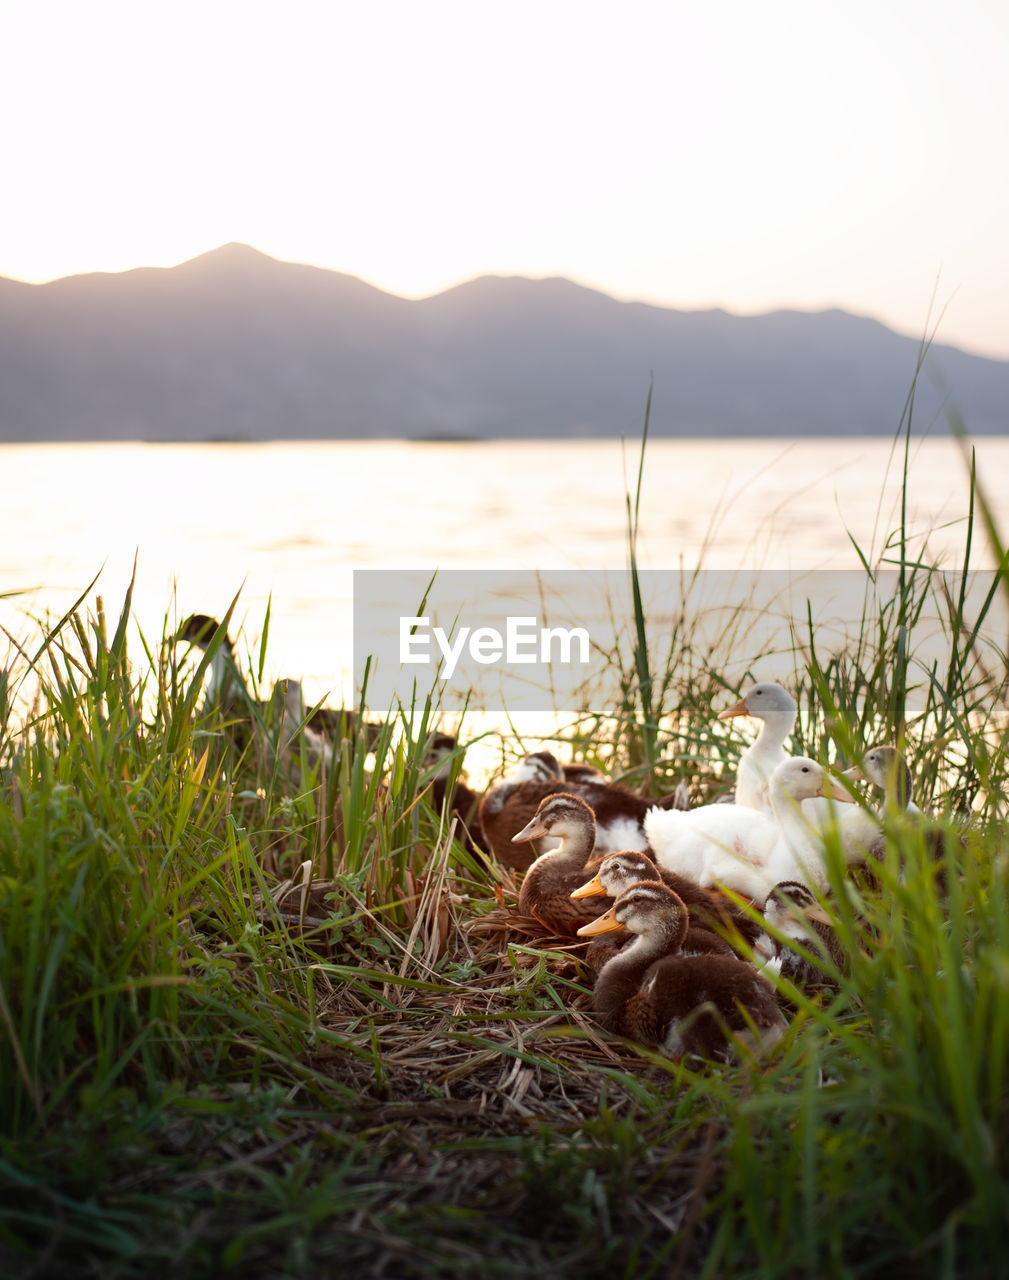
pixel 741 847
pixel 708 910
pixel 859 828
pixel 679 1004
pixel 776 708
pixel 463 801
pixel 223 680
pixel 546 888
pixel 581 775
pixel 324 727
pixel 886 768
pixel 510 804
pixel 793 911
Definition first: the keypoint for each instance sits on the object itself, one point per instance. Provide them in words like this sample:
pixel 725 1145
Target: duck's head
pixel 562 816
pixel 886 768
pixel 442 744
pixel 223 681
pixel 648 909
pixel 765 701
pixel 788 909
pixel 440 754
pixel 617 872
pixel 802 779
pixel 537 767
pixel 199 629
pixel 787 902
pixel 581 773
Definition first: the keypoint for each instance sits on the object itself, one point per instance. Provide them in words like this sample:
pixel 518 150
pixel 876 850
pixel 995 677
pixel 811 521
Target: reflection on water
pixel 288 523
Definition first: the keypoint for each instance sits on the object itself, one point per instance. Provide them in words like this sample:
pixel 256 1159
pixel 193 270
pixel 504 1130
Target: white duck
pixel 742 847
pixel 776 707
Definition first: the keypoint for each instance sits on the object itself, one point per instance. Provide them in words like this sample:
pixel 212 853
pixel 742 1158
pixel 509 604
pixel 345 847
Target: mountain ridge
pixel 236 344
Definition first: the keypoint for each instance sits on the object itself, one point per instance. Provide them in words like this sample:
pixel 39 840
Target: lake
pixel 290 522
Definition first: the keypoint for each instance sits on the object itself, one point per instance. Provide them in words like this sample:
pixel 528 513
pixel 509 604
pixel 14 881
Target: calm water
pixel 292 521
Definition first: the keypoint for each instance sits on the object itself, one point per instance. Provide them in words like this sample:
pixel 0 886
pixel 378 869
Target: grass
pixel 263 1016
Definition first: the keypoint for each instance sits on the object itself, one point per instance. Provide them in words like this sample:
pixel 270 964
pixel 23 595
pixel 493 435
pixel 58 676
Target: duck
pixel 707 909
pixel 775 707
pixel 322 728
pixel 546 888
pixel 743 848
pixel 859 828
pixel 703 1005
pixel 863 838
pixel 454 798
pixel 800 853
pixel 792 911
pixel 511 802
pixel 223 682
pixel 582 774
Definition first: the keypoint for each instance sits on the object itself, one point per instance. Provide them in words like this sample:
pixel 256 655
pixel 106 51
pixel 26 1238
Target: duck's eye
pixel 805 768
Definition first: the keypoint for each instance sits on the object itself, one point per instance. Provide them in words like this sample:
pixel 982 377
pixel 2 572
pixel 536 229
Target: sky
pixel 721 153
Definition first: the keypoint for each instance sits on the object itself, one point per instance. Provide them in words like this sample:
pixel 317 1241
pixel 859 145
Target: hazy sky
pixel 718 152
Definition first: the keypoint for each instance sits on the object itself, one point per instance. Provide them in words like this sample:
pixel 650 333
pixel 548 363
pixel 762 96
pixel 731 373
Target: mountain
pixel 236 345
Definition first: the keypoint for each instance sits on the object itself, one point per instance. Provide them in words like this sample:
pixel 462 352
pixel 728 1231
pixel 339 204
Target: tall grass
pixel 262 1011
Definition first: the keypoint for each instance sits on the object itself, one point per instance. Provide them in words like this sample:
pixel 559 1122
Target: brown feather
pixel 681 1004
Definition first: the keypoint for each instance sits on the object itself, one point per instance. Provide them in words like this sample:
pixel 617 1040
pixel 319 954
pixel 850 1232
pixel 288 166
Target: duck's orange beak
pixel 739 709
pixel 854 773
pixel 834 791
pixel 590 890
pixel 607 923
pixel 531 831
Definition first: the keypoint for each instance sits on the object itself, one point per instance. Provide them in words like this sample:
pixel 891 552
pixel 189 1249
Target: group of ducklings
pixel 679 985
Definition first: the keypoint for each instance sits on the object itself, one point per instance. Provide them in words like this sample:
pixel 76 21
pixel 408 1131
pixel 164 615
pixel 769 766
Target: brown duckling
pixel 454 798
pixel 546 888
pixel 679 1004
pixel 583 775
pixel 510 804
pixel 708 909
pixel 793 911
